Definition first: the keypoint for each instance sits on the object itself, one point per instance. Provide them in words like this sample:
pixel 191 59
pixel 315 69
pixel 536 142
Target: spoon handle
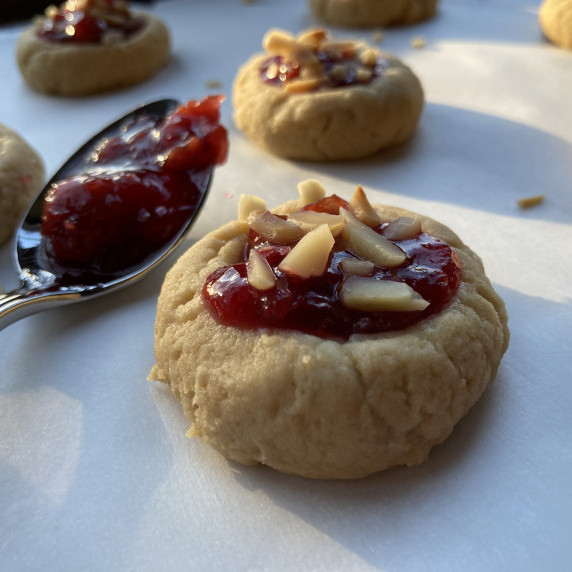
pixel 22 303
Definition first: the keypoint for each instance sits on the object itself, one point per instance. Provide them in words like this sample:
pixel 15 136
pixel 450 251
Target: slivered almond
pixel 357 267
pixel 248 204
pixel 279 42
pixel 310 191
pixel 402 228
pixel 363 75
pixel 339 48
pixel 310 255
pixel 309 220
pixel 363 209
pixel 313 37
pixel 368 57
pixel 303 85
pixel 258 272
pixel 372 295
pixel 274 229
pixel 370 245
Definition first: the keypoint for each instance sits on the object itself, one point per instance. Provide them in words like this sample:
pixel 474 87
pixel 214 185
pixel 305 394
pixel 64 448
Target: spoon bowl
pixel 41 288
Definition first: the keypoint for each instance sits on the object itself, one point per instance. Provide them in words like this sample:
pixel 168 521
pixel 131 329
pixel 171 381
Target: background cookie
pixel 77 69
pixel 371 13
pixel 555 18
pixel 317 407
pixel 21 177
pixel 355 104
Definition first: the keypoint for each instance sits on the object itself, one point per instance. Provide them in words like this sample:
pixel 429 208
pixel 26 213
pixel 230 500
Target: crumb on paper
pixel 213 84
pixel 418 42
pixel 528 202
pixel 377 36
pixel 228 195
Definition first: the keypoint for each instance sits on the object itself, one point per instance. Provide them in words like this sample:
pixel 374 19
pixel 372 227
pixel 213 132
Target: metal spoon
pixel 39 287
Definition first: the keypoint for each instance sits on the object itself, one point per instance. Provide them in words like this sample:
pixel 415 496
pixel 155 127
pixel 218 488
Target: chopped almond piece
pixel 303 85
pixel 363 209
pixel 368 57
pixel 309 220
pixel 313 38
pixel 279 42
pixel 310 256
pixel 372 295
pixel 357 267
pixel 274 229
pixel 339 48
pixel 248 204
pixel 528 202
pixel 311 191
pixel 402 228
pixel 370 245
pixel 258 272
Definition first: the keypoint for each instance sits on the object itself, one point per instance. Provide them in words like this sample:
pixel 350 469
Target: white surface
pixel 95 469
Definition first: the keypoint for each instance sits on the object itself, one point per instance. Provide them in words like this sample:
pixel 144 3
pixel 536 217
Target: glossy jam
pixel 81 26
pixel 313 306
pixel 136 193
pixel 277 70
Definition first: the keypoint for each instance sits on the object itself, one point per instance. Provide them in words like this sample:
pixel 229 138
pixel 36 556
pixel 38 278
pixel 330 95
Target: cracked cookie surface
pixel 325 408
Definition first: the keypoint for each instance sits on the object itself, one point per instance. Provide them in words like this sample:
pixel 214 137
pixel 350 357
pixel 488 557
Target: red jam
pixel 313 305
pixel 85 27
pixel 278 70
pixel 136 193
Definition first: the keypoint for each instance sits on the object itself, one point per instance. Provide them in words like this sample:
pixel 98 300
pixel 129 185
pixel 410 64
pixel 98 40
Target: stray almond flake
pixel 528 202
pixel 213 84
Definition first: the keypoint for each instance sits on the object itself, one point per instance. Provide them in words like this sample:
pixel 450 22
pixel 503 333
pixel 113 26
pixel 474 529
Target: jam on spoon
pixel 374 277
pixel 162 150
pixel 134 194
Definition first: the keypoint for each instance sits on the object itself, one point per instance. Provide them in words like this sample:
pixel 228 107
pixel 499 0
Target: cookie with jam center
pixel 311 98
pixel 326 406
pixel 87 47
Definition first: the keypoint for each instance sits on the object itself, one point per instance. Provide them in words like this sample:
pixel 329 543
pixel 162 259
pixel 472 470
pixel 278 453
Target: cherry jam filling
pixel 81 26
pixel 134 194
pixel 339 70
pixel 313 305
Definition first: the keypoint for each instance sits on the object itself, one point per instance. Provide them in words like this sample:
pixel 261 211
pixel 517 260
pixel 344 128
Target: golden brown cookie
pixel 373 13
pixel 314 99
pixel 21 178
pixel 555 18
pixel 121 49
pixel 326 406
